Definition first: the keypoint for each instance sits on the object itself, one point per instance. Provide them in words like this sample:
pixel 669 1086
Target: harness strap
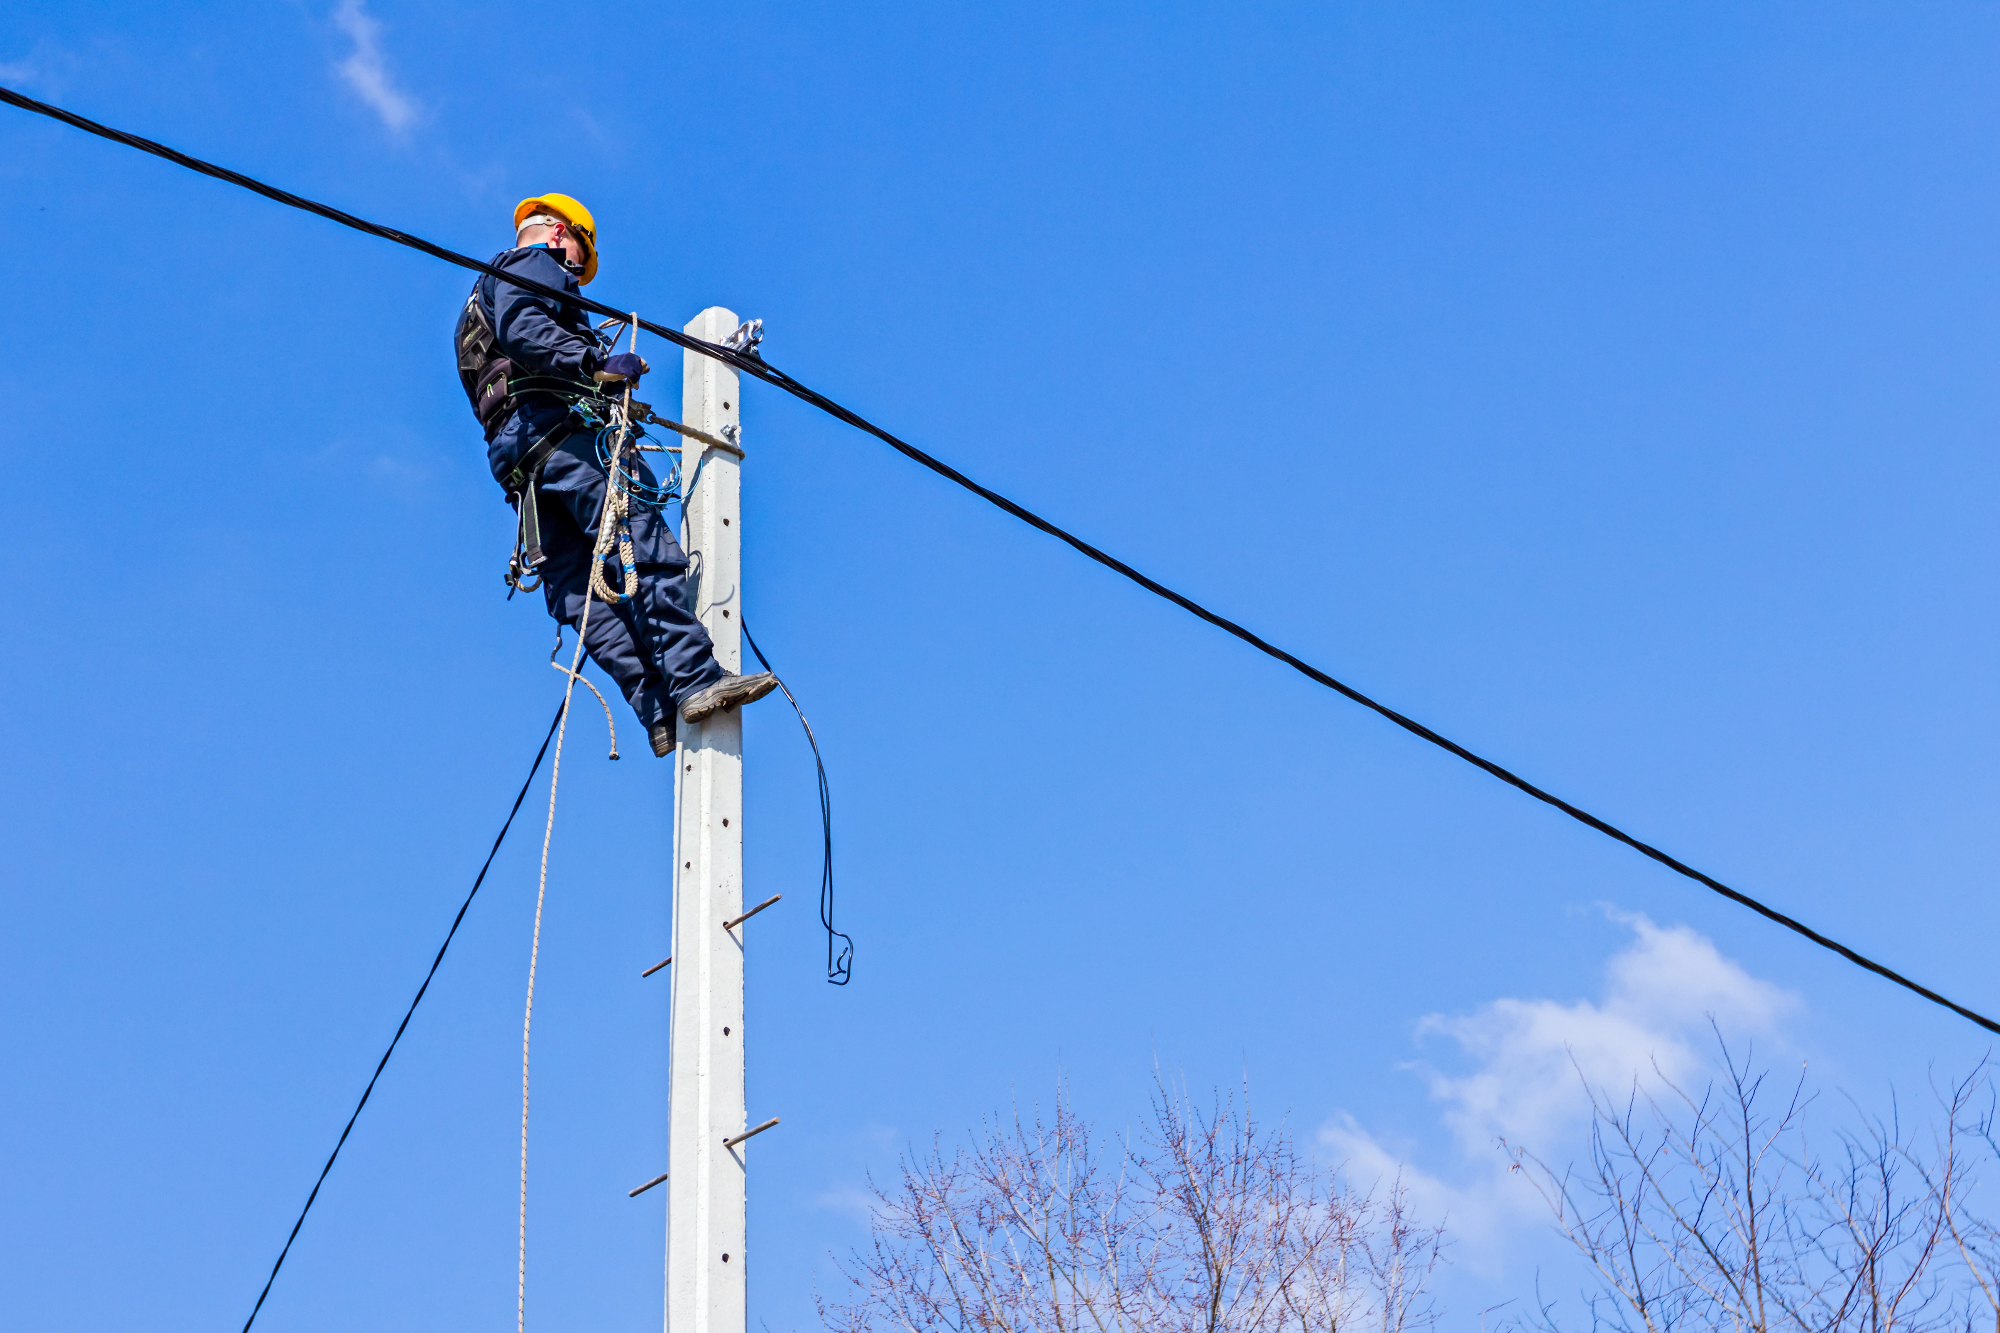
pixel 528 537
pixel 522 481
pixel 518 385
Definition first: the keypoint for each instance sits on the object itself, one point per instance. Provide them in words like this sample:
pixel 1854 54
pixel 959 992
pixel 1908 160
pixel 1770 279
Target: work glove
pixel 626 367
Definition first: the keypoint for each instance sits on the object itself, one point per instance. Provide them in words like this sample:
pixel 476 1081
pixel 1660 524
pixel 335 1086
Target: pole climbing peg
pixel 749 1133
pixel 734 922
pixel 656 1180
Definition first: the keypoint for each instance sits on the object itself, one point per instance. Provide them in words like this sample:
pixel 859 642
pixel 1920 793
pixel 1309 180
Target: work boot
pixel 663 735
pixel 728 692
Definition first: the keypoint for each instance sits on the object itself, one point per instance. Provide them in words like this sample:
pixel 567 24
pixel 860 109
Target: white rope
pixel 534 956
pixel 583 680
pixel 614 527
pixel 611 490
pixel 617 505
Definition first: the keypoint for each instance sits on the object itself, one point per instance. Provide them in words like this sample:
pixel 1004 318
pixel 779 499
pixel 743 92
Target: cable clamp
pixel 748 334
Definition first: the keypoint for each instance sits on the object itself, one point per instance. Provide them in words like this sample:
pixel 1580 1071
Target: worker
pixel 526 360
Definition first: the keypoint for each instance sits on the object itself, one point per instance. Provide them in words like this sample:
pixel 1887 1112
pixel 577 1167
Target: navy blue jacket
pixel 541 337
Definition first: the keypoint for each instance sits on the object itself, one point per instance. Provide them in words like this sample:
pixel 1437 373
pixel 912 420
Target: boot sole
pixel 733 698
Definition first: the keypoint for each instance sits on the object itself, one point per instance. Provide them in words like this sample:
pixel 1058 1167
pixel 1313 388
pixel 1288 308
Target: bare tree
pixel 1722 1210
pixel 1975 1238
pixel 1207 1223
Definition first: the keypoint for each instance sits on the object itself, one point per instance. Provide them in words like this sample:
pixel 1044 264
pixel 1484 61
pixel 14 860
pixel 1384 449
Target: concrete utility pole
pixel 706 1182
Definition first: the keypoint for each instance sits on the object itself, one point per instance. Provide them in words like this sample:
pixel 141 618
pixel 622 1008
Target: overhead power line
pixel 749 363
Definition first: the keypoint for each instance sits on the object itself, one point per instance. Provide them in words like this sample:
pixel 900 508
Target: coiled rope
pixel 614 531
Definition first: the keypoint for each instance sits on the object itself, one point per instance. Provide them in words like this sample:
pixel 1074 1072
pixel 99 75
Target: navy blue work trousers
pixel 650 644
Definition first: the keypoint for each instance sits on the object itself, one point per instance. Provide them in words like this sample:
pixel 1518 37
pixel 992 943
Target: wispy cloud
pixel 1523 1062
pixel 42 67
pixel 1526 1055
pixel 366 69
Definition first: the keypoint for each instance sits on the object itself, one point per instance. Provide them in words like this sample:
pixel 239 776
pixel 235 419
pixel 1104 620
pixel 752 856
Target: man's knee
pixel 653 543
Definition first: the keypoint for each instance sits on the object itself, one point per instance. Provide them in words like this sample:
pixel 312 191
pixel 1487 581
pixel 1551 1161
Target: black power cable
pixel 839 969
pixel 418 999
pixel 754 365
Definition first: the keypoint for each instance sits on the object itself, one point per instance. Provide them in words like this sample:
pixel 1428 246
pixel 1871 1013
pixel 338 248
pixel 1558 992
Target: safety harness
pixel 494 391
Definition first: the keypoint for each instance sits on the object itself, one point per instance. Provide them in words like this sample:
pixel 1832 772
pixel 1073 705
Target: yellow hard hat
pixel 570 211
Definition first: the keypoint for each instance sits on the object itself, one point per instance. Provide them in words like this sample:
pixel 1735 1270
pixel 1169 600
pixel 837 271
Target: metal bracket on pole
pixel 682 428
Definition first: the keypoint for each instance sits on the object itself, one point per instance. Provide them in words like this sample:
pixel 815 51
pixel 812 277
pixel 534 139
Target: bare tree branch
pixel 1207 1223
pixel 1713 1211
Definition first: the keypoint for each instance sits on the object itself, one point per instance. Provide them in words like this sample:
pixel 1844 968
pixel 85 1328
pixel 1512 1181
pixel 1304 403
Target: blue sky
pixel 1610 387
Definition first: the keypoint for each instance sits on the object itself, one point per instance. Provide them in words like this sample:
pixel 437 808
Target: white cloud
pixel 1660 993
pixel 856 1204
pixel 1526 1061
pixel 367 70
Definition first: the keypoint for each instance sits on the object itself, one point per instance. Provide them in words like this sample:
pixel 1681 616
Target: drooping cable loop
pixel 639 487
pixel 839 966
